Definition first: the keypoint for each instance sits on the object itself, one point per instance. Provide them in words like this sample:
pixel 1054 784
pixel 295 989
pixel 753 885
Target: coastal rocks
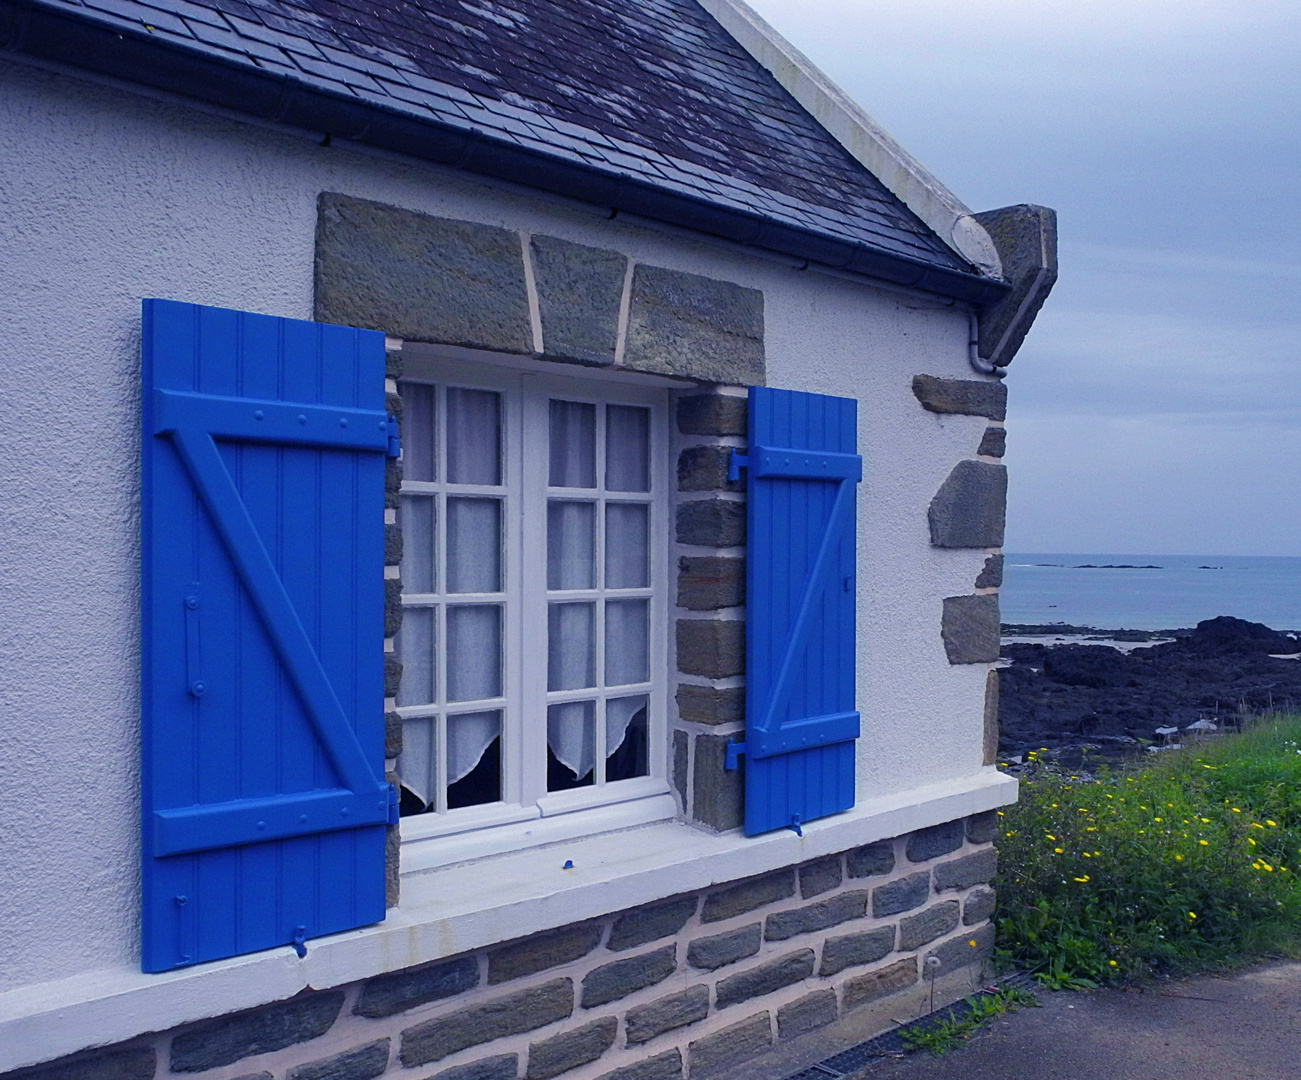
pixel 1077 693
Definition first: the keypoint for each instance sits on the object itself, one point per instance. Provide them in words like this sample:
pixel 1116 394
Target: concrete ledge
pixel 458 908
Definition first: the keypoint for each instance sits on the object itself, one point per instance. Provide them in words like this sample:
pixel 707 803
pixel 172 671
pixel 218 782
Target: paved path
pixel 1245 1026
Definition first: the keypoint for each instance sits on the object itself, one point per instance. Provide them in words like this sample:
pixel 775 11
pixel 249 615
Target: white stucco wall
pixel 109 197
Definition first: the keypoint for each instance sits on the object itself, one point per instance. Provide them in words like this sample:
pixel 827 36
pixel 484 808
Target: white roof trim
pixel 858 133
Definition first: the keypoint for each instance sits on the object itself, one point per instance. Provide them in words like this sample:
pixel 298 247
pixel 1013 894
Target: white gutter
pixel 941 210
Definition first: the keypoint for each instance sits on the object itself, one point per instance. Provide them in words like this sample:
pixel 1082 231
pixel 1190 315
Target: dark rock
pixel 752 893
pixel 994 442
pixel 970 947
pixel 873 859
pixel 902 894
pixel 1074 693
pixel 714 523
pixel 644 1022
pixel 973 869
pixel 969 509
pixel 665 1066
pixel 392 675
pixel 978 906
pixel 651 923
pixel 991 576
pixel 730 1046
pixel 362 1063
pixel 711 953
pixel 967 397
pixel 694 326
pixel 255 1031
pixel 510 1014
pixel 717 790
pixel 856 950
pixel 863 989
pixel 704 468
pixel 969 628
pixel 820 876
pixel 714 648
pixel 570 1049
pixel 982 828
pixel 392 606
pixel 938 840
pixel 618 979
pixel 393 543
pixel 498 1067
pixel 712 414
pixel 542 951
pixel 392 735
pixel 710 705
pixel 917 930
pixel 806 1014
pixel 398 991
pixel 783 925
pixel 106 1063
pixel 420 277
pixel 707 582
pixel 764 979
pixel 579 293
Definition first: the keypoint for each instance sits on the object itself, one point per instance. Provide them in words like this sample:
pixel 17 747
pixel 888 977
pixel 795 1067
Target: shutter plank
pixel 277 526
pixel 801 720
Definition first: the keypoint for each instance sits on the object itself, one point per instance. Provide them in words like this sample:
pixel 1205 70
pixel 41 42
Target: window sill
pixel 452 909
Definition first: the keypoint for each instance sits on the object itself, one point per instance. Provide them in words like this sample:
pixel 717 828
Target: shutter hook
pixel 300 937
pixel 794 826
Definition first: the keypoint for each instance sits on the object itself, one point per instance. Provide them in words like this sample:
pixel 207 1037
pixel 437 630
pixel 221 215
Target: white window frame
pixel 525 420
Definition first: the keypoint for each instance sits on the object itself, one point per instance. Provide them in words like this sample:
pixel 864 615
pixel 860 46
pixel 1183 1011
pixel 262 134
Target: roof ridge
pixel 862 137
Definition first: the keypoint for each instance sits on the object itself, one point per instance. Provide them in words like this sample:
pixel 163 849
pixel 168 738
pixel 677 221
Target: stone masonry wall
pixel 707 706
pixel 683 988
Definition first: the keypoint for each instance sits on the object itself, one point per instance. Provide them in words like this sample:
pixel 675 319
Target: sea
pixel 1150 592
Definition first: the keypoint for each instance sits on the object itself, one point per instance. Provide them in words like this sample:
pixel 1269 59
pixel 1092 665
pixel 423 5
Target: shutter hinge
pixel 393 804
pixel 300 941
pixel 734 751
pixel 394 441
pixel 735 463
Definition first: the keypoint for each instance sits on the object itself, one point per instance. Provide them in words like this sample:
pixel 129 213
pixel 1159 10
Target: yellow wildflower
pixel 1057 850
pixel 1082 879
pixel 1271 824
pixel 971 942
pixel 1204 843
pixel 1113 963
pixel 1192 914
pixel 1179 858
pixel 1251 841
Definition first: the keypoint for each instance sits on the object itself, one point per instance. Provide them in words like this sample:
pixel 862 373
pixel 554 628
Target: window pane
pixel 626 751
pixel 473 652
pixel 473 545
pixel 571 646
pixel 626 656
pixel 418 543
pixel 627 544
pixel 418 443
pixel 473 436
pixel 416 762
pixel 473 759
pixel 415 648
pixel 571 528
pixel 573 444
pixel 627 448
pixel 570 744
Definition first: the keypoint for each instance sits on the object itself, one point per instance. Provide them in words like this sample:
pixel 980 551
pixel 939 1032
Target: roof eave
pixel 79 41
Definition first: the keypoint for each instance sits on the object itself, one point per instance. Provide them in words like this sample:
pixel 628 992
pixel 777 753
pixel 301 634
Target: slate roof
pixel 651 92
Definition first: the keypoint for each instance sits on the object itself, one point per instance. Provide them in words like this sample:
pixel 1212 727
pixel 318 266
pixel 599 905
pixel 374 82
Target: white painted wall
pixel 110 197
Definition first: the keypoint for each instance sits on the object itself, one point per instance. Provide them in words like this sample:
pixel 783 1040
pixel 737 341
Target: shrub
pixel 1189 864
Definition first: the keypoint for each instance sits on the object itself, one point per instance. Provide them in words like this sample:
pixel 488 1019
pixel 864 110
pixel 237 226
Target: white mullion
pixel 657 733
pixel 533 433
pixel 512 633
pixel 598 557
pixel 440 584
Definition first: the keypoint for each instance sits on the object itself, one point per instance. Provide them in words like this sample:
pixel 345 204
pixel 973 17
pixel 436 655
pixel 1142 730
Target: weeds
pixel 941 1036
pixel 1186 865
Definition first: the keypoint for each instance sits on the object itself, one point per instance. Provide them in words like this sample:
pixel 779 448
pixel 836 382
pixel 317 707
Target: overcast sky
pixel 1156 406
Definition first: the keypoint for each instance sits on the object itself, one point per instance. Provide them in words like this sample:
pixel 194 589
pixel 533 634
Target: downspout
pixel 973 344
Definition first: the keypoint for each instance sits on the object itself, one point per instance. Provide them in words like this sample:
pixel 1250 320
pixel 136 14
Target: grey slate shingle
pixel 654 90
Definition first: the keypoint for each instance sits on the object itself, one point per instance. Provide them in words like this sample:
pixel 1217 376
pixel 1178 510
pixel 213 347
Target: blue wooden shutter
pixel 800 652
pixel 264 802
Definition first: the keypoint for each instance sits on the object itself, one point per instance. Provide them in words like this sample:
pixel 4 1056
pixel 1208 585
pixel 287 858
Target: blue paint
pixel 801 721
pixel 264 803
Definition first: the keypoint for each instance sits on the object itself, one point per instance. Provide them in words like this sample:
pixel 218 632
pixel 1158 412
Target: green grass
pixel 1190 864
pixel 941 1036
